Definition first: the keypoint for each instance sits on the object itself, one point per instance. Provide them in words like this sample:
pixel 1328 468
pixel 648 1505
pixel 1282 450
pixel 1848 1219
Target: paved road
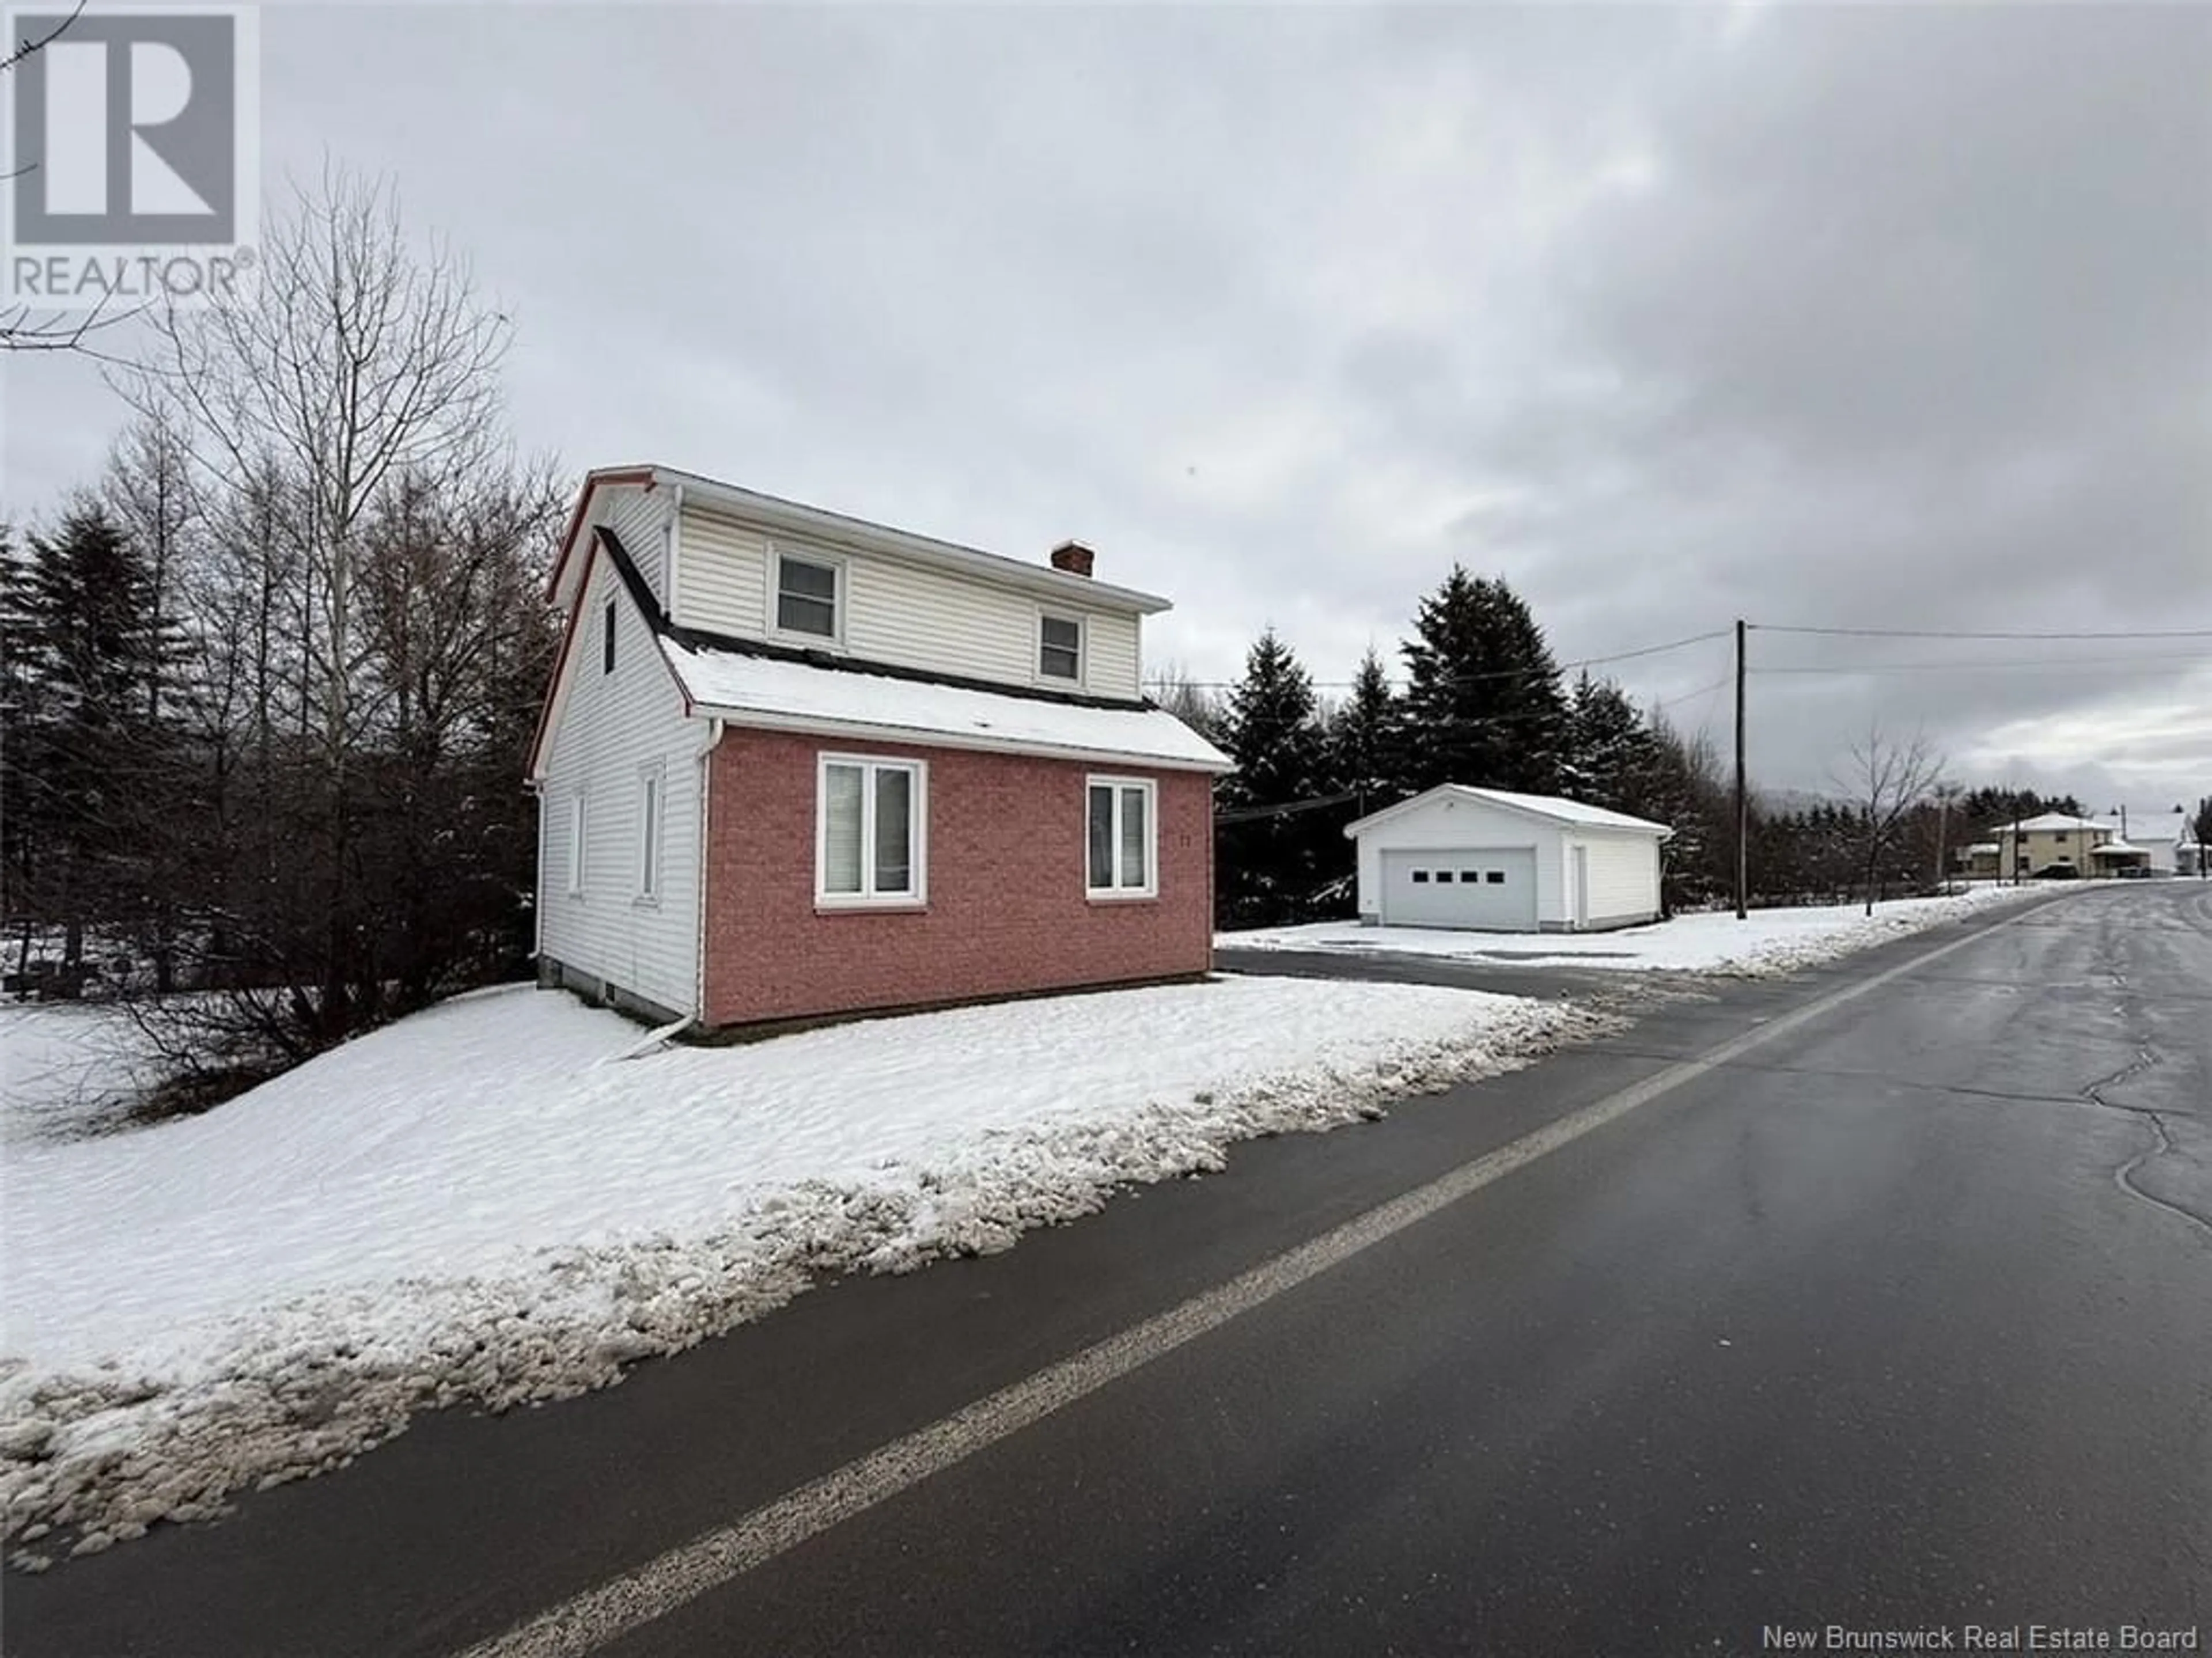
pixel 1900 1316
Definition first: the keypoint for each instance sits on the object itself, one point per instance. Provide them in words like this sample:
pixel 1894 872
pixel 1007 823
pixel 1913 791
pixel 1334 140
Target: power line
pixel 2129 664
pixel 1930 633
pixel 1490 674
pixel 1702 690
pixel 1244 814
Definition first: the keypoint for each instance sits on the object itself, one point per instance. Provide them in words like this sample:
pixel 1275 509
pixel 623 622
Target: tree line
pixel 268 683
pixel 1483 701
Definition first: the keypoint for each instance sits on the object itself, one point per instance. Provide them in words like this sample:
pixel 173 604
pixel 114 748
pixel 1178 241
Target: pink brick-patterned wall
pixel 1007 911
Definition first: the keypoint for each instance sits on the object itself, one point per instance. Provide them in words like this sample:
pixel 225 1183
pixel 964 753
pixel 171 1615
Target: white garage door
pixel 1494 890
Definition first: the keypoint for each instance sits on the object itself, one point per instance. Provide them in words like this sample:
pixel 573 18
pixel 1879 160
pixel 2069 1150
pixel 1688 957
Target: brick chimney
pixel 1073 557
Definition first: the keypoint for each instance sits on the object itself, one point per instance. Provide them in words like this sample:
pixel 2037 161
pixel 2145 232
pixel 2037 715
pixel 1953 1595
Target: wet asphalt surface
pixel 1905 1319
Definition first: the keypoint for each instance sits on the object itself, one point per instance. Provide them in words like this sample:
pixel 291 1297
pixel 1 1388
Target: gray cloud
pixel 1859 315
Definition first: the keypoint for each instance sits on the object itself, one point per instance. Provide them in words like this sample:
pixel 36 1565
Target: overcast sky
pixel 1857 317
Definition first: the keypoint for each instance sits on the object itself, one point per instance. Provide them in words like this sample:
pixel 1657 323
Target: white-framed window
pixel 1122 838
pixel 576 844
pixel 809 599
pixel 649 814
pixel 871 831
pixel 1059 648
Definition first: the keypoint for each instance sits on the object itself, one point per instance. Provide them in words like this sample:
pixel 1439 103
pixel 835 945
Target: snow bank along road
pixel 477 1205
pixel 1768 941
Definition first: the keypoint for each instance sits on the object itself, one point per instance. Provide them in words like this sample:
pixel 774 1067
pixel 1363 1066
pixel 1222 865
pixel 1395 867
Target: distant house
pixel 1499 862
pixel 794 764
pixel 2057 843
pixel 2188 857
pixel 1981 861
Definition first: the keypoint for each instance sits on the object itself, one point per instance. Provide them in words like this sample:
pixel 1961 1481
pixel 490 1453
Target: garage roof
pixel 1552 808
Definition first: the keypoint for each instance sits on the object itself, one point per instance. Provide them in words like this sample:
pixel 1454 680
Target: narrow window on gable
pixel 1059 648
pixel 806 597
pixel 607 641
pixel 648 833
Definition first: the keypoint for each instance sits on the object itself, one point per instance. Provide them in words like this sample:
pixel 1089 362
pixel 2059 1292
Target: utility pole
pixel 1742 792
pixel 1945 793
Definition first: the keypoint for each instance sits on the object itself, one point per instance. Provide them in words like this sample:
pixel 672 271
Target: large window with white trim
pixel 1122 836
pixel 871 820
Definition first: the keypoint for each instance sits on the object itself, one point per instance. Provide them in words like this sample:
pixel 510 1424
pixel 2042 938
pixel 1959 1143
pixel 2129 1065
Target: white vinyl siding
pixel 640 517
pixel 871 831
pixel 904 614
pixel 608 727
pixel 1111 648
pixel 572 876
pixel 723 576
pixel 1623 871
pixel 1121 838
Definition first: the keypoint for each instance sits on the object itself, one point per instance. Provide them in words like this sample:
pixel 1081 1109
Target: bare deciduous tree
pixel 363 360
pixel 1885 780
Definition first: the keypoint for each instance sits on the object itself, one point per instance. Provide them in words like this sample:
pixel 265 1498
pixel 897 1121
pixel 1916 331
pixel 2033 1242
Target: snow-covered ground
pixel 1768 941
pixel 480 1203
pixel 66 1068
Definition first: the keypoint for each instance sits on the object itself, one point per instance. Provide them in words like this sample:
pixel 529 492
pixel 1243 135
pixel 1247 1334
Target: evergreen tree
pixel 1608 744
pixel 85 652
pixel 1678 783
pixel 1274 857
pixel 1365 750
pixel 1484 705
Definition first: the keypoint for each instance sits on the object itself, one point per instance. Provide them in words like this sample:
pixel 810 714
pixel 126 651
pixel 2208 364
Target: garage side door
pixel 1491 890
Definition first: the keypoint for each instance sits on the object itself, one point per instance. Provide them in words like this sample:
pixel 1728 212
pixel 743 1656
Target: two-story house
pixel 794 764
pixel 2058 843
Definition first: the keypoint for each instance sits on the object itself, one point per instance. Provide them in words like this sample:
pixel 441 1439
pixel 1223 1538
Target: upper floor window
pixel 607 641
pixel 805 596
pixel 870 824
pixel 1059 648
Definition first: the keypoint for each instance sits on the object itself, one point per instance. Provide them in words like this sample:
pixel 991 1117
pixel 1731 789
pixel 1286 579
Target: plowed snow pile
pixel 479 1205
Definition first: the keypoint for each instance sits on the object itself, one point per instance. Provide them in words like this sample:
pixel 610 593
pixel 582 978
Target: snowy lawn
pixel 1768 941
pixel 67 1068
pixel 480 1204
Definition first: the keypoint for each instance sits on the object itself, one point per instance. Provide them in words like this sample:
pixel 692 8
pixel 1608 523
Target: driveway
pixel 1502 977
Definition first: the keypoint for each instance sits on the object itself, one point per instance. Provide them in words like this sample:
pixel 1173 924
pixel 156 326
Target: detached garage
pixel 1492 861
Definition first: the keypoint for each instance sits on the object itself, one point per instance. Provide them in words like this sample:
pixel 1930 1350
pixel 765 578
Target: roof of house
pixel 749 689
pixel 2050 820
pixel 751 682
pixel 1574 814
pixel 797 517
pixel 2116 847
pixel 1987 848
